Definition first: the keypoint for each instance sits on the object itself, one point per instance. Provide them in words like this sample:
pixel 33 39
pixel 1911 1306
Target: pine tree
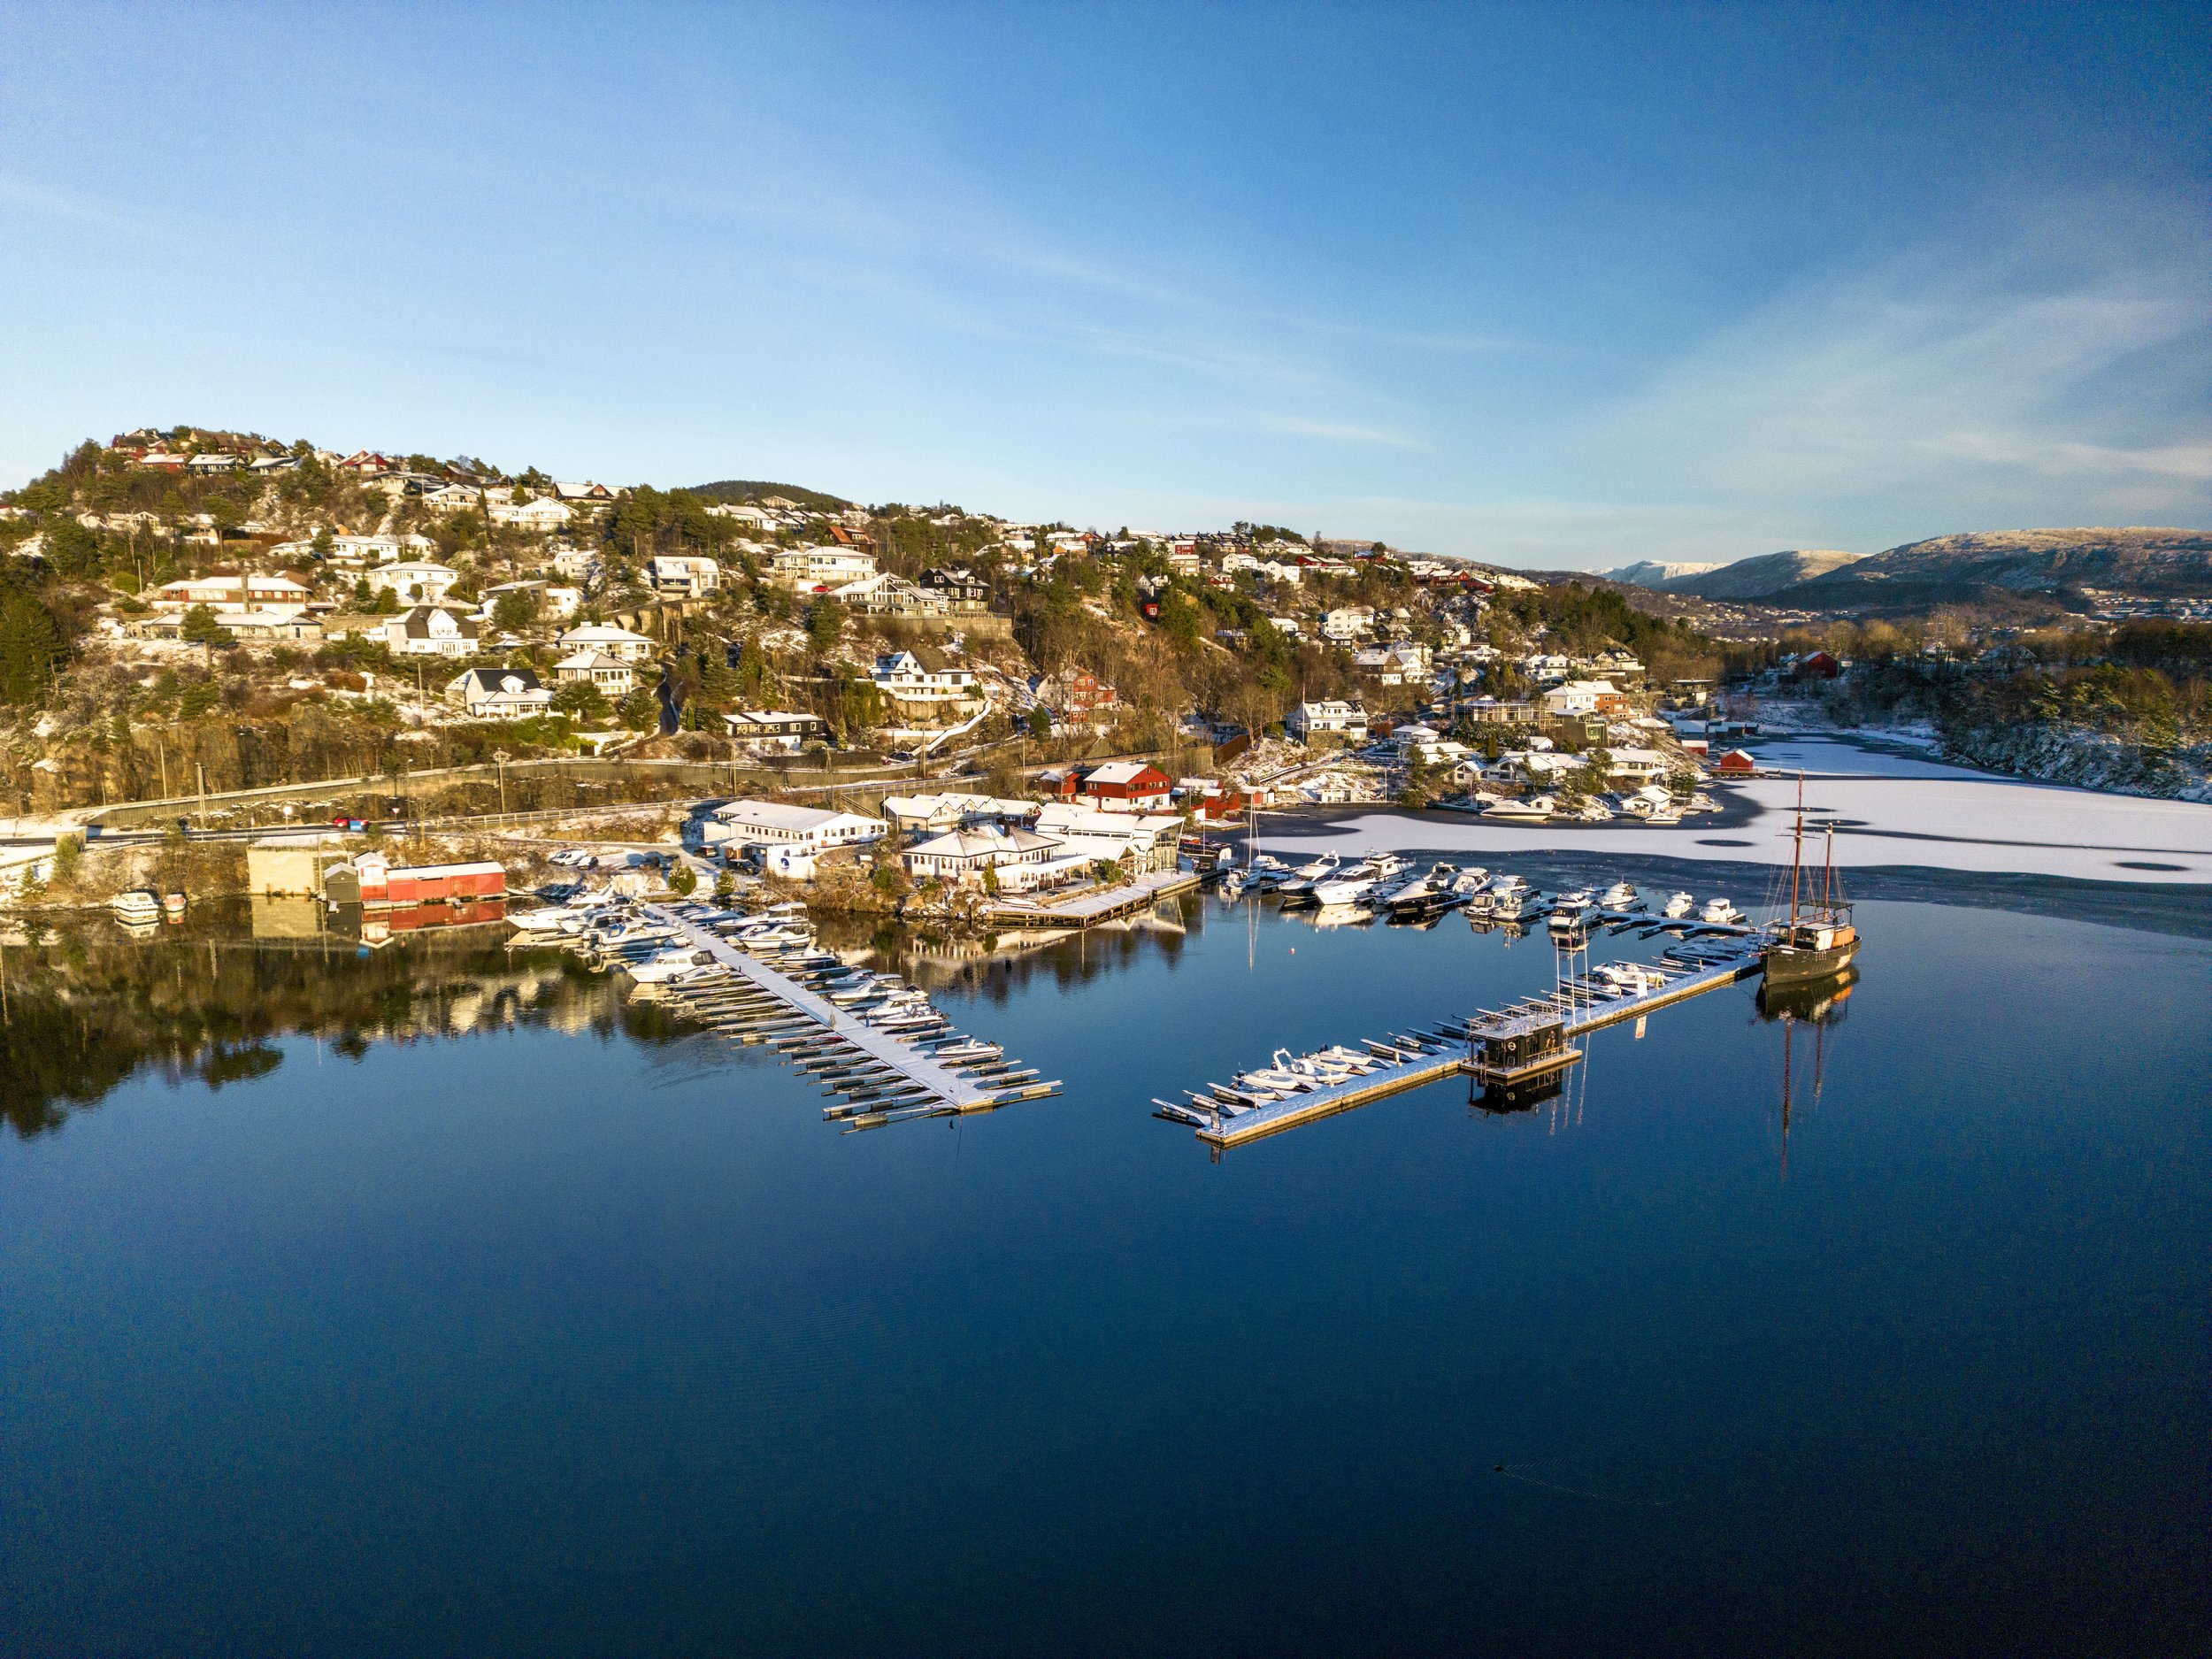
pixel 30 648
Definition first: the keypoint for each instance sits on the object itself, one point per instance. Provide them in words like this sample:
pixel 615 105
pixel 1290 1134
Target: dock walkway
pixel 1098 904
pixel 1431 1055
pixel 879 1062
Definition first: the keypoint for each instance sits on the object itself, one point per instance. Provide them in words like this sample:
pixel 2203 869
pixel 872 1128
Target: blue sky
pixel 1558 286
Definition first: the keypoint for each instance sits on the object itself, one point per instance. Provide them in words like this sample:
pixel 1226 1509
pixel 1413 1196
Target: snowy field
pixel 1891 810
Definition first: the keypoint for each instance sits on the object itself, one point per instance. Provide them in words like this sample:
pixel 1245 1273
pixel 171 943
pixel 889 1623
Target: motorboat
pixel 667 964
pixel 1298 882
pixel 1349 884
pixel 1424 896
pixel 140 904
pixel 1718 912
pixel 1515 907
pixel 1622 895
pixel 1469 880
pixel 1680 904
pixel 1572 910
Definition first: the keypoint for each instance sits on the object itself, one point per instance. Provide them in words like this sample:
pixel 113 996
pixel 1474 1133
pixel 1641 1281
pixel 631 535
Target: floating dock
pixel 1099 904
pixel 1508 1046
pixel 889 1065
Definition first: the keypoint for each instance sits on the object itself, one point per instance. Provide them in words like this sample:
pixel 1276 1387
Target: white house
pixel 541 515
pixel 1632 765
pixel 1583 697
pixel 579 565
pixel 951 808
pixel 806 568
pixel 612 675
pixel 499 694
pixel 682 573
pixel 1347 622
pixel 900 676
pixel 617 642
pixel 356 550
pixel 1018 858
pixel 772 824
pixel 431 631
pixel 234 598
pixel 1331 716
pixel 555 604
pixel 414 579
pixel 590 494
pixel 1086 832
pixel 775 731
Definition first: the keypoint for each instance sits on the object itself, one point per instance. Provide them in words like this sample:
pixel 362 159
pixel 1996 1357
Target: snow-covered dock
pixel 888 1066
pixel 1524 1041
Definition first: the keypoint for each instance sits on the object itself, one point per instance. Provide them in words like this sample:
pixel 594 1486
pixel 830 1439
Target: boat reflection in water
pixel 1819 1003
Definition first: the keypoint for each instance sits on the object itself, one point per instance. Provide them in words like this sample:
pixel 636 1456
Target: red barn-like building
pixel 1735 763
pixel 1127 786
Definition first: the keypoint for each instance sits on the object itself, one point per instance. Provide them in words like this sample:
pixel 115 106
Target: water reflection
pixel 89 1002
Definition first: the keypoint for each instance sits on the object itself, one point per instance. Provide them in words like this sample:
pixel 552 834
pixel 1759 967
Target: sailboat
pixel 1818 941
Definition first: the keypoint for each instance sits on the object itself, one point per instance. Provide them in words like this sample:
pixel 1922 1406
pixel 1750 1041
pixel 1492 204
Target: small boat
pixel 1573 910
pixel 1622 895
pixel 1230 886
pixel 1515 907
pixel 1718 912
pixel 140 904
pixel 1469 881
pixel 1680 904
pixel 1298 882
pixel 172 904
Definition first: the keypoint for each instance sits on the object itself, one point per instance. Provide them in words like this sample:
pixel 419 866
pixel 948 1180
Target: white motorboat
pixel 1349 884
pixel 140 904
pixel 1469 881
pixel 667 964
pixel 1302 880
pixel 1718 912
pixel 1573 909
pixel 1514 907
pixel 1680 904
pixel 1622 895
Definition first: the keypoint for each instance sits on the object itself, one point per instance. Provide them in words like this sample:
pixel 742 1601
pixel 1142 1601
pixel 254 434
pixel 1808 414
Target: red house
pixel 1735 763
pixel 383 884
pixel 1127 786
pixel 1817 665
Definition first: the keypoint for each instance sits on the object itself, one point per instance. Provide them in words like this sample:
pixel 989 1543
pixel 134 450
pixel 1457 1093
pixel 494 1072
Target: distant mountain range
pixel 1651 574
pixel 2005 567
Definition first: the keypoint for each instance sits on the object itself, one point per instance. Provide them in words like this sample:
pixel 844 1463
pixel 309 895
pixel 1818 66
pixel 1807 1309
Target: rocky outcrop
pixel 2079 756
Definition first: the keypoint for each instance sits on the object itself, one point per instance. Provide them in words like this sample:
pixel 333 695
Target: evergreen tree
pixel 30 650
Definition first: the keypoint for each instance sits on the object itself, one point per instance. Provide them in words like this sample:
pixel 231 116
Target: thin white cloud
pixel 2055 368
pixel 74 210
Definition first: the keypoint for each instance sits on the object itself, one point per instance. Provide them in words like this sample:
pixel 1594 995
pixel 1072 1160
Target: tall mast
pixel 1797 856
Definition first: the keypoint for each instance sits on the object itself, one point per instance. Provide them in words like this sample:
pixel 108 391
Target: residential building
pixel 1488 711
pixel 431 631
pixel 1331 716
pixel 886 595
pixel 214 461
pixel 773 823
pixel 686 574
pixel 931 814
pixel 588 494
pixel 613 676
pixel 1075 695
pixel 542 515
pixel 1018 858
pixel 414 579
pixel 1347 622
pixel 901 677
pixel 1086 832
pixel 962 591
pixel 807 568
pixel 1585 696
pixel 616 642
pixel 236 598
pixel 555 604
pixel 775 731
pixel 579 565
pixel 499 694
pixel 354 551
pixel 1126 786
pixel 1636 765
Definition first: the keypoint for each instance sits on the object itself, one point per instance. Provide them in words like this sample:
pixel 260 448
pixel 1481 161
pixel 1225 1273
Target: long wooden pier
pixel 888 1067
pixel 1533 1034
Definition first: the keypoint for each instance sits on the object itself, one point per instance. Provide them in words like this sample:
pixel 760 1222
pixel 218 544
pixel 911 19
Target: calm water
pixel 577 1334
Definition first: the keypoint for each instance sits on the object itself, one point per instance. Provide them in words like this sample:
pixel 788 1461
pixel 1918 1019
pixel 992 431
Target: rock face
pixel 2089 759
pixel 1760 578
pixel 1651 574
pixel 2143 563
